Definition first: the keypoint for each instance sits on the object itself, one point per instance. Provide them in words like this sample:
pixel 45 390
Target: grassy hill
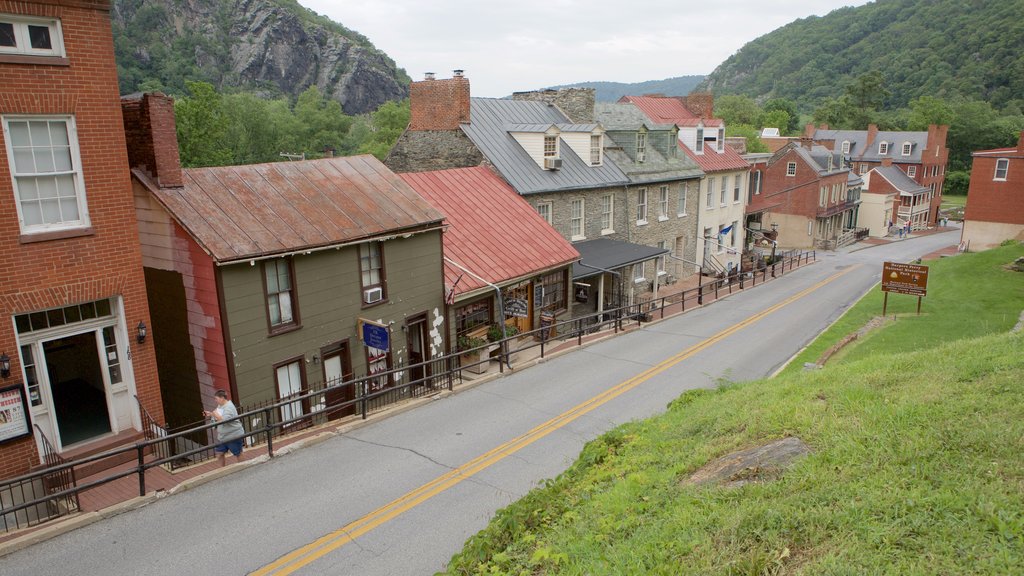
pixel 915 468
pixel 942 48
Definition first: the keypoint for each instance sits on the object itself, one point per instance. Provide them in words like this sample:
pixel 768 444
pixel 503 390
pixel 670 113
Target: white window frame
pixel 640 267
pixel 641 146
pixel 550 146
pixel 907 148
pixel 790 169
pixel 710 197
pixel 607 214
pixel 596 148
pixel 736 185
pixel 721 139
pixel 1005 162
pixel 577 217
pixel 883 148
pixel 862 169
pixel 641 206
pixel 75 172
pixel 723 191
pixel 544 209
pixel 663 203
pixel 757 182
pixel 684 189
pixel 846 147
pixel 659 265
pixel 734 233
pixel 23 45
pixel 912 171
pixel 700 140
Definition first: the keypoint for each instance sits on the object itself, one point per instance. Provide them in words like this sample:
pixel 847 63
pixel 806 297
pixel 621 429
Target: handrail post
pixel 140 450
pixel 268 425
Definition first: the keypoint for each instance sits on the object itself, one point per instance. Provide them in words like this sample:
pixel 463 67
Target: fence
pixel 45 494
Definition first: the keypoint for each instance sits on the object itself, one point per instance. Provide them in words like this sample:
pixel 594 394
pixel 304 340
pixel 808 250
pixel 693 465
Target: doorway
pixel 77 387
pixel 337 363
pixel 416 340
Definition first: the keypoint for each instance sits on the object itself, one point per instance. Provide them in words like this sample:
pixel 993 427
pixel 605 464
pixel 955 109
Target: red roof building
pixel 495 238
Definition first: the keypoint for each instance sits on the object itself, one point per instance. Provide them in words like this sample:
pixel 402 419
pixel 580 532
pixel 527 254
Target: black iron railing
pixel 41 496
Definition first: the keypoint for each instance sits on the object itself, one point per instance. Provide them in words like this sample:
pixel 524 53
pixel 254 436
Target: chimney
pixel 807 142
pixel 1020 143
pixel 702 104
pixel 809 131
pixel 576 103
pixel 457 73
pixel 428 75
pixel 439 104
pixel 887 161
pixel 151 136
pixel 872 134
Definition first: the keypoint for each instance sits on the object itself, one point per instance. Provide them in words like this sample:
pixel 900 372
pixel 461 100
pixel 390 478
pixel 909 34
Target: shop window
pixel 472 316
pixel 553 292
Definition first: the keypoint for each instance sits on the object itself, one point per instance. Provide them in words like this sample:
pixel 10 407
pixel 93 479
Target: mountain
pixel 942 48
pixel 270 46
pixel 612 91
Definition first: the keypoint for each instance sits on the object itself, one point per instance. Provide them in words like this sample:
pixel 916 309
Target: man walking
pixel 230 432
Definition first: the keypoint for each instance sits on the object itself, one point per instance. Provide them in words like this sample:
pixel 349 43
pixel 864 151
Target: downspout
pixel 501 300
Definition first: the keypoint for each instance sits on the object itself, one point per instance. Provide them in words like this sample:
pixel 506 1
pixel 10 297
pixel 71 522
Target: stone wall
pixel 576 103
pixel 422 151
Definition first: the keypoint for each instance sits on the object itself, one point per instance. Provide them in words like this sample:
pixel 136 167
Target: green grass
pixel 953 202
pixel 916 468
pixel 968 295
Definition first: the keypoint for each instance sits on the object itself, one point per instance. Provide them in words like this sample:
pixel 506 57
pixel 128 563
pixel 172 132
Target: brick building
pixel 996 209
pixel 72 289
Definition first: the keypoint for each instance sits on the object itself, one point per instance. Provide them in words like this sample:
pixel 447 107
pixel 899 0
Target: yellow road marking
pixel 322 546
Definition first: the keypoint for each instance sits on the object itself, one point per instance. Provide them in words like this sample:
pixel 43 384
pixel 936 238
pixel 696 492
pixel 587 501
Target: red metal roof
pixel 668 110
pixel 240 212
pixel 492 230
pixel 714 161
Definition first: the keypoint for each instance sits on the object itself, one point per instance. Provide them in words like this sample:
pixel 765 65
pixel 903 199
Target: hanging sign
pixel 375 335
pixel 13 413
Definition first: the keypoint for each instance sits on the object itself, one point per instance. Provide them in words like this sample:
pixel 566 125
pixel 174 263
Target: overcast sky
pixel 515 45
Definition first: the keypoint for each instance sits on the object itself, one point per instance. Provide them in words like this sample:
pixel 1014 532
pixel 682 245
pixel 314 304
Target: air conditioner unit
pixel 372 295
pixel 552 163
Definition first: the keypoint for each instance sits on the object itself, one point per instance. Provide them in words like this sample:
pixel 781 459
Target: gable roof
pixel 899 180
pixel 816 158
pixel 236 213
pixel 492 231
pixel 624 120
pixel 860 149
pixel 668 110
pixel 714 161
pixel 488 129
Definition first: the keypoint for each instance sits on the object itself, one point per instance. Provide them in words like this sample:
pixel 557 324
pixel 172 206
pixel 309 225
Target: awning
pixel 602 254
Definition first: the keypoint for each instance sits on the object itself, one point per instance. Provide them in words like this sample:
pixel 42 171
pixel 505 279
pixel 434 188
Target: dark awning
pixel 602 254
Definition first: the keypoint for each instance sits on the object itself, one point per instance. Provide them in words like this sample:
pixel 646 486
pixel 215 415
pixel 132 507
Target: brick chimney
pixel 576 103
pixel 887 161
pixel 872 134
pixel 1020 143
pixel 702 104
pixel 151 137
pixel 809 130
pixel 439 104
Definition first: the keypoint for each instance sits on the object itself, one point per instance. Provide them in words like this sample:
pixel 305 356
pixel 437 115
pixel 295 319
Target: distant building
pixel 911 202
pixel 995 207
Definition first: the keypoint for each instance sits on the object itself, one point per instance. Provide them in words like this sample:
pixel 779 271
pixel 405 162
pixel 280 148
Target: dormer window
pixel 673 144
pixel 846 146
pixel 595 149
pixel 907 146
pixel 700 140
pixel 883 148
pixel 30 36
pixel 550 146
pixel 641 146
pixel 830 162
pixel 721 139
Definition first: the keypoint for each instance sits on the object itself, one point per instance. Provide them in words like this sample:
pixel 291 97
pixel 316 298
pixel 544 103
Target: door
pixel 416 341
pixel 337 379
pixel 78 389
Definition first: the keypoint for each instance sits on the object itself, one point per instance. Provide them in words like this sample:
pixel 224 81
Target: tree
pixel 776 119
pixel 865 96
pixel 928 110
pixel 752 135
pixel 734 109
pixel 202 127
pixel 787 106
pixel 388 123
pixel 832 111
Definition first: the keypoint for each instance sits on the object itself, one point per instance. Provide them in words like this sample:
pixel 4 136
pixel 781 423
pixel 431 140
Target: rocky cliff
pixel 273 46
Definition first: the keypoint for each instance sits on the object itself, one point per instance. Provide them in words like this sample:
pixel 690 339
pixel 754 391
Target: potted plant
pixel 473 353
pixel 494 333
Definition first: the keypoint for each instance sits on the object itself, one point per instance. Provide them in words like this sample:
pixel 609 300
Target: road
pixel 401 495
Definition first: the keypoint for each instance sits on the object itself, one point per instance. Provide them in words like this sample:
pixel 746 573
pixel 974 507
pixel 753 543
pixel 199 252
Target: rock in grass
pixel 758 464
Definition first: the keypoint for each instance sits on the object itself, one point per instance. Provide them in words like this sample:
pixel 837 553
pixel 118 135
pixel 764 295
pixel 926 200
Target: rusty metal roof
pixel 492 231
pixel 242 212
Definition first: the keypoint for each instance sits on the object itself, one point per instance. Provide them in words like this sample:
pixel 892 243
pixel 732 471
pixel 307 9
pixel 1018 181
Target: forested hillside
pixel 612 91
pixel 944 48
pixel 273 47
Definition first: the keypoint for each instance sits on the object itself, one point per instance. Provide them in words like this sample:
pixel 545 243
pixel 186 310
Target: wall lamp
pixel 5 365
pixel 140 332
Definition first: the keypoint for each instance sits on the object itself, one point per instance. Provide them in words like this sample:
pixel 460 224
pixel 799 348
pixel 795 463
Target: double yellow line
pixel 324 545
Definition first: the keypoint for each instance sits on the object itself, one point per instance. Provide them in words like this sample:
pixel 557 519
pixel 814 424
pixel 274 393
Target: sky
pixel 517 45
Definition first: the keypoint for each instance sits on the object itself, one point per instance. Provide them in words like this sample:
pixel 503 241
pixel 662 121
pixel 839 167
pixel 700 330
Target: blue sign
pixel 376 336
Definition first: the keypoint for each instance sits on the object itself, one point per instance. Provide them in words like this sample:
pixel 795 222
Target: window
pixel 553 295
pixel 663 203
pixel 831 163
pixel 846 146
pixel 681 206
pixel 28 362
pixel 544 209
pixel 371 265
pixel 912 171
pixel 734 233
pixel 641 146
pixel 791 169
pixel 737 181
pixel 550 146
pixel 377 362
pixel 700 140
pixel 1002 167
pixel 576 219
pixel 281 309
pixel 640 272
pixel 721 139
pixel 863 169
pixel 721 232
pixel 710 192
pixel 47 173
pixel 823 196
pixel 641 206
pixel 472 316
pixel 290 382
pixel 907 146
pixel 883 147
pixel 721 193
pixel 30 36
pixel 660 263
pixel 595 149
pixel 673 144
pixel 607 213
pixel 755 182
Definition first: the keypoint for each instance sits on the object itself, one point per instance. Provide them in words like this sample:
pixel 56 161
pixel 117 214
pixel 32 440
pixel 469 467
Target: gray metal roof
pixel 487 129
pixel 623 121
pixel 899 180
pixel 606 254
pixel 624 116
pixel 859 150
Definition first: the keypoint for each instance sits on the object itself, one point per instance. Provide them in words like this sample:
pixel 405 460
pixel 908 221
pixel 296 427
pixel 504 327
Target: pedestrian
pixel 230 433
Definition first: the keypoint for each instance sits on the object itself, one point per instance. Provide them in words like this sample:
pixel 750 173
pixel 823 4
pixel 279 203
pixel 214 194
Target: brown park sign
pixel 905 278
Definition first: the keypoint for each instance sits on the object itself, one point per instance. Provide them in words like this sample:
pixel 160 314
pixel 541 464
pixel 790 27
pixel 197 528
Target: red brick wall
pixel 797 195
pixel 439 104
pixel 702 104
pixel 105 263
pixel 993 200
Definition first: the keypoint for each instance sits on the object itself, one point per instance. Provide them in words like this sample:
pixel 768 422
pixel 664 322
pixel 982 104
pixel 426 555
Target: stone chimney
pixel 439 104
pixel 152 138
pixel 702 104
pixel 872 134
pixel 576 103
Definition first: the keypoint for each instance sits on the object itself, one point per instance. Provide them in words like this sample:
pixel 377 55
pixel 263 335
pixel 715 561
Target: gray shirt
pixel 229 430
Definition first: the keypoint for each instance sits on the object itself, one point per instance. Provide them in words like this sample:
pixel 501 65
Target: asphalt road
pixel 401 495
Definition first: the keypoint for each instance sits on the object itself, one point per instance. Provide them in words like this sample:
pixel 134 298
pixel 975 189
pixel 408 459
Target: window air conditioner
pixel 552 163
pixel 372 295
